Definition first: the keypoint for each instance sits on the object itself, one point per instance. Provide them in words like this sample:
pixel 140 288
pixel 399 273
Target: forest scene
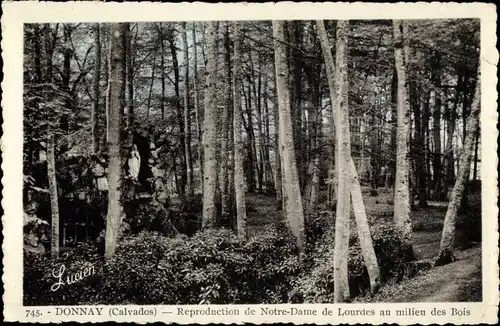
pixel 240 162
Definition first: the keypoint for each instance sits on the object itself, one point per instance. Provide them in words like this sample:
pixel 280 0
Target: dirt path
pixel 456 282
pixel 261 211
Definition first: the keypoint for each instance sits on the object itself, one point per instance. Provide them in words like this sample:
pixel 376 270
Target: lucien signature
pixel 64 278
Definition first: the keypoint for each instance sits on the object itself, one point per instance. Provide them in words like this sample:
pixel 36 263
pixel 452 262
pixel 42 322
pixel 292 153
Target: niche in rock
pixel 142 143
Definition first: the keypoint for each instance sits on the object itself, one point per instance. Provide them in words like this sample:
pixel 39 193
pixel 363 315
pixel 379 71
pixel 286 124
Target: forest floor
pixel 454 282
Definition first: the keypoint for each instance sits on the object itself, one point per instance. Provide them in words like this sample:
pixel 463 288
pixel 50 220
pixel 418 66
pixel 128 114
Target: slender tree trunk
pixel 294 209
pixel 209 132
pixel 277 155
pixel 267 160
pixel 258 114
pixel 448 235
pixel 180 118
pixel 438 190
pixel 420 153
pixel 54 200
pixel 364 235
pixel 401 187
pixel 97 77
pixel 162 68
pixel 197 112
pixel 116 101
pixel 51 165
pixel 239 180
pixel 348 181
pixel 334 135
pixel 391 171
pixel 476 149
pixel 341 287
pixel 426 145
pixel 130 80
pixel 151 84
pixel 224 130
pixel 187 116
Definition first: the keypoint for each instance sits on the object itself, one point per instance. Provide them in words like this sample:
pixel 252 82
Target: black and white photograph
pixel 275 162
pixel 252 162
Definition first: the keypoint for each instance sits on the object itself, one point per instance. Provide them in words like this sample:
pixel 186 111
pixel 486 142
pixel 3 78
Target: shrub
pixel 317 284
pixel 212 266
pixel 38 277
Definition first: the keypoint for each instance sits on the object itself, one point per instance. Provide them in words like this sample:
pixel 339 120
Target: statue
pixel 134 163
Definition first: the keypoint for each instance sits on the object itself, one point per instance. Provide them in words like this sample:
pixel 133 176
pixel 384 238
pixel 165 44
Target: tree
pixel 54 201
pixel 162 69
pixel 225 127
pixel 197 101
pixel 294 210
pixel 341 288
pixel 51 146
pixel 180 116
pixel 95 103
pixel 364 235
pixel 130 79
pixel 187 115
pixel 116 103
pixel 209 132
pixel 239 180
pixel 448 235
pixel 342 112
pixel 401 186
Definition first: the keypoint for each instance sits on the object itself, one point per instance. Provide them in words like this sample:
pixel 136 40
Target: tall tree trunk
pixel 295 62
pixel 268 171
pixel 116 102
pixel 51 165
pixel 476 149
pixel 187 116
pixel 426 136
pixel 401 186
pixel 448 236
pixel 130 79
pixel 341 287
pixel 97 76
pixel 180 118
pixel 277 155
pixel 348 181
pixel 334 114
pixel 420 151
pixel 224 130
pixel 239 180
pixel 162 70
pixel 197 112
pixel 209 132
pixel 258 114
pixel 294 209
pixel 364 235
pixel 54 200
pixel 438 189
pixel 151 84
pixel 391 171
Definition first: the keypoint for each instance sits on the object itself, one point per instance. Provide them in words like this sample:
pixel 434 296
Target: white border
pixel 15 14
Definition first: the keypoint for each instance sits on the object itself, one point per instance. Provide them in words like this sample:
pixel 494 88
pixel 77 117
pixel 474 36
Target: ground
pixel 455 282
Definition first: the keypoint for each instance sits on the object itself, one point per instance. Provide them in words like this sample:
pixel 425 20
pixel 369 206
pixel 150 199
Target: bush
pixel 316 285
pixel 39 271
pixel 212 266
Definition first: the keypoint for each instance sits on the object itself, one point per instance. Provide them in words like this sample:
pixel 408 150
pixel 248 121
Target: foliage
pixel 317 284
pixel 213 266
pixel 38 277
